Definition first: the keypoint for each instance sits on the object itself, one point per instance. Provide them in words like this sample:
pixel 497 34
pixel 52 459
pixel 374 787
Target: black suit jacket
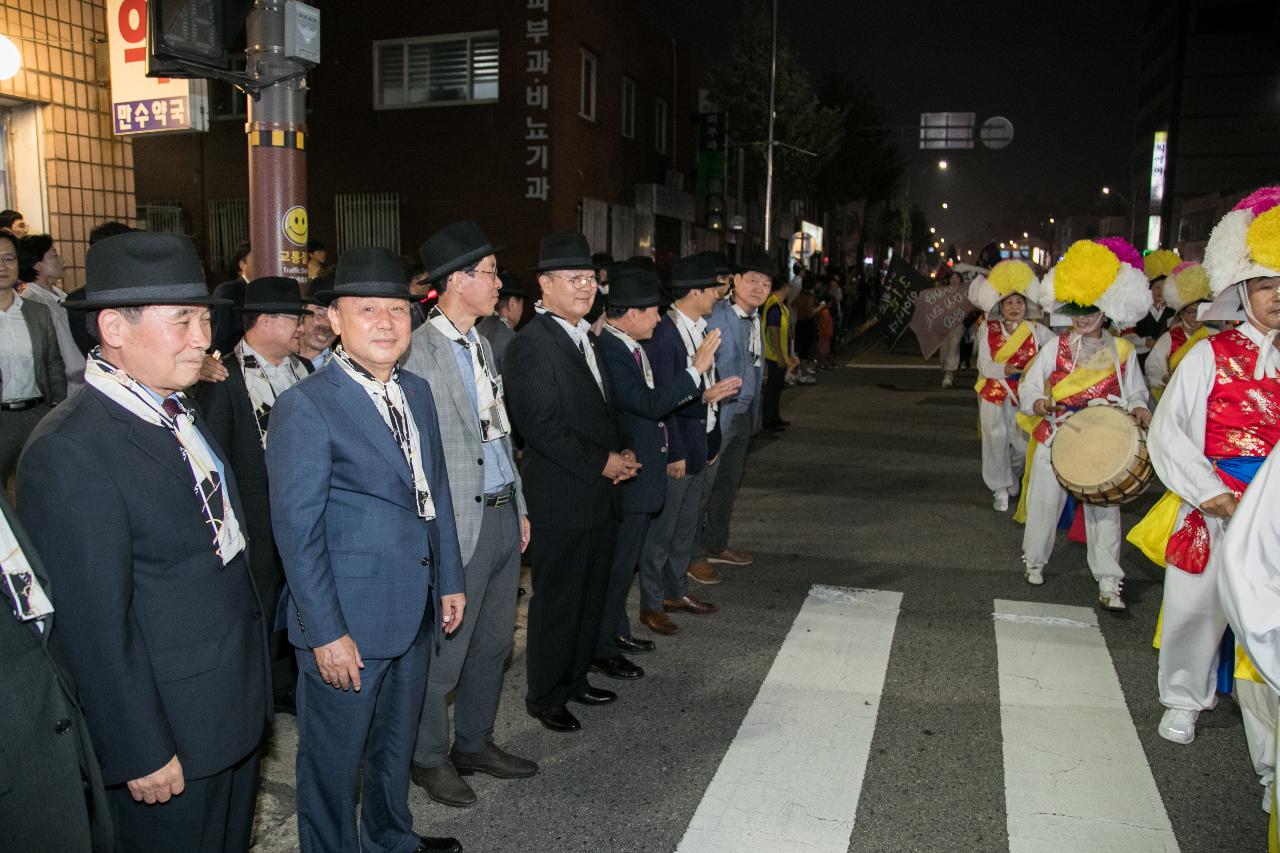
pixel 228 414
pixel 1150 327
pixel 569 427
pixel 643 411
pixel 167 646
pixel 47 765
pixel 689 439
pixel 227 323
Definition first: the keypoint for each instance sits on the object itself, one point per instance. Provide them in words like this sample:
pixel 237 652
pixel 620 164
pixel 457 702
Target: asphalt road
pixel 876 485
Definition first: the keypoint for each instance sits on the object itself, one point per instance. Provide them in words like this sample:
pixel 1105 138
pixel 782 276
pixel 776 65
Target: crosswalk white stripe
pixel 1076 777
pixel 793 774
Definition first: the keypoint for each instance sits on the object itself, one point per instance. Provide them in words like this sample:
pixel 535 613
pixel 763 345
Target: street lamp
pixel 1025 235
pixel 944 205
pixel 933 230
pixel 1050 220
pixel 942 165
pixel 10 59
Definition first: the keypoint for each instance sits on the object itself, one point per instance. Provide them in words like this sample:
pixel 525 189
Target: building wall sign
pixel 537 99
pixel 142 104
pixel 1159 155
pixel 664 201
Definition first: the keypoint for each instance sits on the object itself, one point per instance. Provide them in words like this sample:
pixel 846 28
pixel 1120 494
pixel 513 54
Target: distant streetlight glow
pixel 944 205
pixel 1106 190
pixel 942 165
pixel 10 59
pixel 1025 235
pixel 933 230
pixel 1050 220
pixel 969 252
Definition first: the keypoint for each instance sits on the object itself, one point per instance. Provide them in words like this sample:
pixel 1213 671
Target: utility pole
pixel 276 129
pixel 768 176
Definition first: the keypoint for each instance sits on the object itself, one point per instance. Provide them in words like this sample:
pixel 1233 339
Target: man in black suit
pixel 630 316
pixel 559 396
pixel 52 797
pixel 260 368
pixel 134 510
pixel 227 326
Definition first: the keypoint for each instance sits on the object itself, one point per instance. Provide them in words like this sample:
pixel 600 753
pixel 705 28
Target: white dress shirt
pixel 17 361
pixel 578 334
pixel 72 358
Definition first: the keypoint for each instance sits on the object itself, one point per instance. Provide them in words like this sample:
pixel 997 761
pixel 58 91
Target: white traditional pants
pixel 949 352
pixel 1004 445
pixel 1045 500
pixel 1191 631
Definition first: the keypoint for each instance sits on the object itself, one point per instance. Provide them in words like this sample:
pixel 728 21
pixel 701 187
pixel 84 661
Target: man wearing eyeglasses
pixel 488 509
pixel 576 453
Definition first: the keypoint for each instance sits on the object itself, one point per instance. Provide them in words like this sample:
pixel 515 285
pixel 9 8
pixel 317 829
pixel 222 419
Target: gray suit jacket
pixel 431 357
pixel 51 374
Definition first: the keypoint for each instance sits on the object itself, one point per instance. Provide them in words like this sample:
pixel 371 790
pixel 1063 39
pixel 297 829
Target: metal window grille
pixel 163 216
pixel 228 228
pixel 595 223
pixel 367 219
pixel 442 70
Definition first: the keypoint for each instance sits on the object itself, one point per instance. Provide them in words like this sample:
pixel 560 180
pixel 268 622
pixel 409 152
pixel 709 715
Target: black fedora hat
pixel 144 268
pixel 632 286
pixel 756 262
pixel 368 271
pixel 564 250
pixel 693 272
pixel 721 261
pixel 455 247
pixel 273 294
pixel 510 285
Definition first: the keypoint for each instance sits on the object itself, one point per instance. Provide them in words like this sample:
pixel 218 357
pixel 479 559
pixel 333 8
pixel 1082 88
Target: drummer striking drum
pixel 1095 280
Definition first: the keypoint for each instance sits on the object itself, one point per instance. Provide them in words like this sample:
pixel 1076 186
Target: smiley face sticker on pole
pixel 294 225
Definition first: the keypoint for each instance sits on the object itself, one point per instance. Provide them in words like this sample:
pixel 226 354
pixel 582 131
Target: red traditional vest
pixel 992 391
pixel 1064 366
pixel 1243 414
pixel 1177 337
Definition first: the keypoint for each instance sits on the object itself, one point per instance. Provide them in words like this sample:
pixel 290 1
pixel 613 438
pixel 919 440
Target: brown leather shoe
pixel 658 622
pixel 703 572
pixel 732 557
pixel 689 604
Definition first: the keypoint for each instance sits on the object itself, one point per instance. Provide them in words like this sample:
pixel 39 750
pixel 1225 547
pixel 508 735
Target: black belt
pixel 21 405
pixel 501 499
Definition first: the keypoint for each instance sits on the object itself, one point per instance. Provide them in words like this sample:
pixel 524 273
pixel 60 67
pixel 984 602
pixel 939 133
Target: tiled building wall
pixel 88 171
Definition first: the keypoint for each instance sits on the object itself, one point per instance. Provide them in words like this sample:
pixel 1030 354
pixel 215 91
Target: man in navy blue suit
pixel 694 440
pixel 630 317
pixel 364 522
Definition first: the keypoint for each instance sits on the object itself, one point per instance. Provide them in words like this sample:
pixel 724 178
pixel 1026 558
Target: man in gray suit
pixel 488 507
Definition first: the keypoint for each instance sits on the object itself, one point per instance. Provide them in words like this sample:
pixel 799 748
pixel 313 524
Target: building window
pixel 628 108
pixel 420 72
pixel 660 130
pixel 367 219
pixel 166 216
pixel 587 95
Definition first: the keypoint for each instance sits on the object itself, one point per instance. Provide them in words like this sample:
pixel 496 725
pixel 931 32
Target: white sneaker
pixel 806 379
pixel 948 380
pixel 1109 595
pixel 1000 500
pixel 1178 725
pixel 1268 793
pixel 1034 575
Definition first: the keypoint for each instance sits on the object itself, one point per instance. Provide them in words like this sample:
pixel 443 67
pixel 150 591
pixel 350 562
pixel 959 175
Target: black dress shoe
pixel 438 845
pixel 617 667
pixel 632 646
pixel 557 719
pixel 594 696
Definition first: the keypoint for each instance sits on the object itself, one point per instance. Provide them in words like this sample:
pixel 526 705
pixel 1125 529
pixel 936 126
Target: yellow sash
pixel 1151 535
pixel 1198 335
pixel 1011 345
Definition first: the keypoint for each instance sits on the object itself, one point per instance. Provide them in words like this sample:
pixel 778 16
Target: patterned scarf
pixel 389 399
pixel 493 413
pixel 262 394
pixel 174 416
pixel 20 584
pixel 692 334
pixel 635 350
pixel 754 344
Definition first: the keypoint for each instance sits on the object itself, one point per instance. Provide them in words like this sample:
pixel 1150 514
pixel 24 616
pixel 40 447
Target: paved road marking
pixel 1075 775
pixel 792 776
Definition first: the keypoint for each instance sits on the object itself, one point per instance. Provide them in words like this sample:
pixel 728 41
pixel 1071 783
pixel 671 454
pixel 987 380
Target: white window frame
pixel 628 107
pixel 405 43
pixel 661 124
pixel 588 60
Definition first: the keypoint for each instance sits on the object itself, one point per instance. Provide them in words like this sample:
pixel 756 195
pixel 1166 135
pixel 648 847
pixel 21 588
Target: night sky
pixel 1065 74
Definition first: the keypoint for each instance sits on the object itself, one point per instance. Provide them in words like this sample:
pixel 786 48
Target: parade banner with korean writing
pixel 938 311
pixel 142 104
pixel 898 299
pixel 537 99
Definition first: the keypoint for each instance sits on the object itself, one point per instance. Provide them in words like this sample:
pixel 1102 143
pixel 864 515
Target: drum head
pixel 1094 447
